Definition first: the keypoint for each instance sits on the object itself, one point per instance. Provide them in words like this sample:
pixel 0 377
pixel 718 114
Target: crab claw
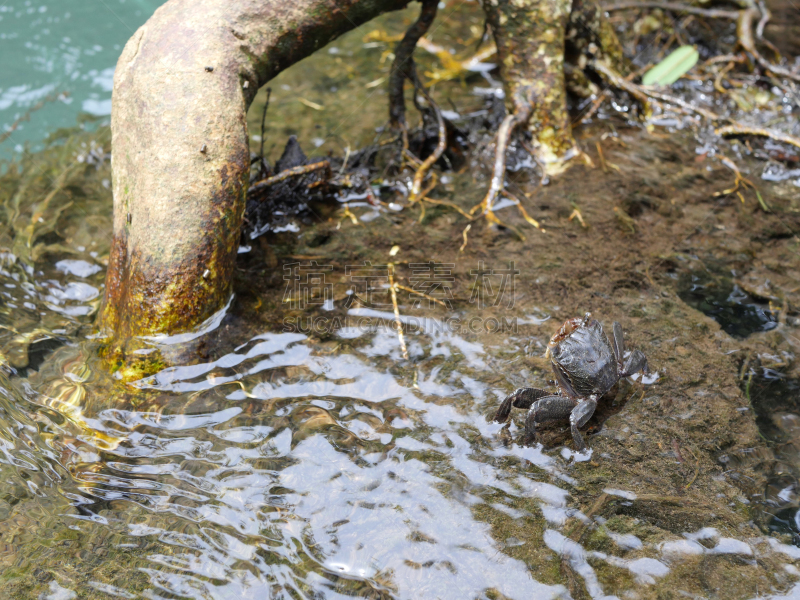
pixel 502 414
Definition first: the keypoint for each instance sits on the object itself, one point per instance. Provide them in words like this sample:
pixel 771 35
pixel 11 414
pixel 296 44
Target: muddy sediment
pixel 648 224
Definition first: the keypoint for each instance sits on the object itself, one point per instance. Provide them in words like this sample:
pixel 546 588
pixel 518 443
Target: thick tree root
pixel 403 67
pixel 530 38
pixel 181 155
pixel 533 40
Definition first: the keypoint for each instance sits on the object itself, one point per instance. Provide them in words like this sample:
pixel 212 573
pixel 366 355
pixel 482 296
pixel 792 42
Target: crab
pixel 586 365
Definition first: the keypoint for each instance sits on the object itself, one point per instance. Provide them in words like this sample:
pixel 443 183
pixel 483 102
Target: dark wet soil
pixel 648 227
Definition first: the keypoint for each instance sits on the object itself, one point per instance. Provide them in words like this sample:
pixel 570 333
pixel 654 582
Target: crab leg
pixel 520 398
pixel 578 417
pixel 549 408
pixel 636 362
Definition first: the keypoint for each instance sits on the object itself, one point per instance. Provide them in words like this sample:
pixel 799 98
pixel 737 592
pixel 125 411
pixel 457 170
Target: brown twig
pixel 397 321
pixel 579 528
pixel 708 114
pixel 740 129
pixel 620 82
pixel 441 146
pixel 423 294
pixel 744 32
pixel 676 7
pixel 287 173
pixel 601 97
pixel 696 468
pixel 644 94
pixel 737 58
pixel 720 75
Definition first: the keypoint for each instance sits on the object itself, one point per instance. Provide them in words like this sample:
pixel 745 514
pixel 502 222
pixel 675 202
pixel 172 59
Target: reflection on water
pixel 283 469
pixel 291 468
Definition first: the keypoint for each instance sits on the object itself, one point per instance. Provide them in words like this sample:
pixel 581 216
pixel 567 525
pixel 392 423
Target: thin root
pixel 676 7
pixel 504 132
pixel 744 32
pixel 452 205
pixel 522 210
pixel 576 214
pixel 464 235
pixel 740 129
pixel 286 174
pixel 740 182
pixel 441 146
pixel 398 323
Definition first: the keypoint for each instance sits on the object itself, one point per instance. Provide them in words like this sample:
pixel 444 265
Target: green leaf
pixel 673 67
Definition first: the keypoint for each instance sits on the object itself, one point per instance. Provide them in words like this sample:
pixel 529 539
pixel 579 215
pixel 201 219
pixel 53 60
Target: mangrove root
pixel 181 166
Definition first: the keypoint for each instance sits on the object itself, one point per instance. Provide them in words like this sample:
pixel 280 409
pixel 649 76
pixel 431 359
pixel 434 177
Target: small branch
pixel 744 32
pixel 441 146
pixel 676 7
pixel 286 174
pixel 739 129
pixel 720 75
pixel 643 94
pixel 736 58
pixel 398 323
pixel 708 114
pixel 424 295
pixel 601 97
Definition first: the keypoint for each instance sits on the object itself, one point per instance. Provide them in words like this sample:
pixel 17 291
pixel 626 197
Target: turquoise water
pixel 51 47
